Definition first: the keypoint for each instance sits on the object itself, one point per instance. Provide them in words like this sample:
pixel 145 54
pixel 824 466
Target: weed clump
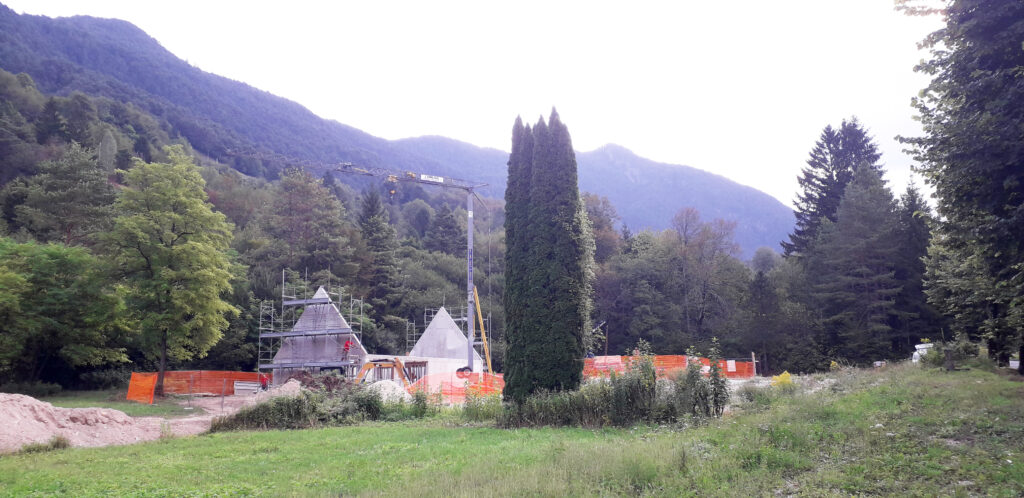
pixel 57 442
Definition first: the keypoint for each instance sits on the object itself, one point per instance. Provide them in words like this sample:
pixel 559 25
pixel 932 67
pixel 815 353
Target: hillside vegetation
pixel 261 134
pixel 900 431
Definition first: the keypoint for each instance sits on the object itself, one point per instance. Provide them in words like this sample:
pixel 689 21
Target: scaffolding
pixel 309 332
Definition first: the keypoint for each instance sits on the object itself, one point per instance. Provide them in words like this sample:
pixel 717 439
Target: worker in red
pixel 348 346
pixel 264 382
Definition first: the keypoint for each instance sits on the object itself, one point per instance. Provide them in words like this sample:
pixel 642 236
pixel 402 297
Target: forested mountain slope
pixel 259 133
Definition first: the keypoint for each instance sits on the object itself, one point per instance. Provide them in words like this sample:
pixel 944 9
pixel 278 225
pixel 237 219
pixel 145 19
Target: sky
pixel 738 88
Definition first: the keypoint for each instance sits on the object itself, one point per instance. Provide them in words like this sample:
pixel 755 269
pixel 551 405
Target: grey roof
pixel 325 347
pixel 443 339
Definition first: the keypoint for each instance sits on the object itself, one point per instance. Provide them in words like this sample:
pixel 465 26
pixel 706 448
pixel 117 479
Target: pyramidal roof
pixel 443 339
pixel 320 316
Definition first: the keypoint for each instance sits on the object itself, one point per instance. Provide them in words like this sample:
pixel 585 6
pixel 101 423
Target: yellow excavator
pixel 394 364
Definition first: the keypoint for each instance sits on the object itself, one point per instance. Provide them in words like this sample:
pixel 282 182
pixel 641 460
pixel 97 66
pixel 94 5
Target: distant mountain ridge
pixel 260 133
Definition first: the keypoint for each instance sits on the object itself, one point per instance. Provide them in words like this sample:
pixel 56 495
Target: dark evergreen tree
pixel 918 318
pixel 548 328
pixel 445 234
pixel 517 263
pixel 973 155
pixel 852 267
pixel 829 169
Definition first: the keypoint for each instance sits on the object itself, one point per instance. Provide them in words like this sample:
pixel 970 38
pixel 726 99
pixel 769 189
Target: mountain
pixel 259 133
pixel 646 194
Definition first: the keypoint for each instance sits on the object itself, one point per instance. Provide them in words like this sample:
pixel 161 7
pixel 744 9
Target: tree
pixel 973 156
pixel 69 200
pixel 602 216
pixel 830 168
pixel 306 228
pixel 918 318
pixel 171 249
pixel 853 271
pixel 445 234
pixel 554 252
pixel 379 274
pixel 59 312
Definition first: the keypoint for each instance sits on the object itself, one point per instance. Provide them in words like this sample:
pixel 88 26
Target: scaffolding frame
pixel 277 327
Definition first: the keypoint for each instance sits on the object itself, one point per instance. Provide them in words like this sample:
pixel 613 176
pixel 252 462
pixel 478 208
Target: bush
pixel 758 396
pixel 57 442
pixel 960 349
pixel 481 407
pixel 783 383
pixel 35 389
pixel 343 404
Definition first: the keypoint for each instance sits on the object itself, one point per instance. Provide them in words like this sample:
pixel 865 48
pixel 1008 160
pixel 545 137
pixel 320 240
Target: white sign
pixel 730 365
pixel 470 214
pixel 431 178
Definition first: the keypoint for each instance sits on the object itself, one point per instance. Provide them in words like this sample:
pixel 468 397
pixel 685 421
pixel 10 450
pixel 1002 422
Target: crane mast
pixel 396 176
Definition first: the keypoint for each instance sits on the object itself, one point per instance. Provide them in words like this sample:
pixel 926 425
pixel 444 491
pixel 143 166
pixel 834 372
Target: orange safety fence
pixel 214 382
pixel 141 387
pixel 453 386
pixel 665 365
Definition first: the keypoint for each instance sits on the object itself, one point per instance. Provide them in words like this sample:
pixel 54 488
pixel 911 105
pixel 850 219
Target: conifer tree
pixel 69 201
pixel 853 268
pixel 550 267
pixel 829 169
pixel 445 234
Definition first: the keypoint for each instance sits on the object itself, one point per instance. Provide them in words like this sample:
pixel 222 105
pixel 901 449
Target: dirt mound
pixel 291 388
pixel 24 420
pixel 390 391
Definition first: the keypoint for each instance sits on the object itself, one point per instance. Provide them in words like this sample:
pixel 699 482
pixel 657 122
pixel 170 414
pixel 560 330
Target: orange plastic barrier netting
pixel 141 387
pixel 666 365
pixel 453 386
pixel 190 381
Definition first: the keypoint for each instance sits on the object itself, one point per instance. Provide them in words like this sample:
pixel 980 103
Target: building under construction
pixel 312 334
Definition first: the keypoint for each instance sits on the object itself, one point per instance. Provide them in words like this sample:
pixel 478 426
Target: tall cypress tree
pixel 547 263
pixel 829 170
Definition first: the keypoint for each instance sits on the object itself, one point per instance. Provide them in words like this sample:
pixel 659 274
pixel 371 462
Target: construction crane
pixel 395 176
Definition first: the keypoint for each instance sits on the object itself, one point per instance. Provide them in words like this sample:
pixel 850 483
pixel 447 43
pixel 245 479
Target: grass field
pixel 115 399
pixel 900 431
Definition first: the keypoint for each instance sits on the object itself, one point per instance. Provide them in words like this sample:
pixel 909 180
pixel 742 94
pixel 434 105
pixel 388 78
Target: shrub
pixel 481 407
pixel 35 389
pixel 307 409
pixel 57 442
pixel 758 396
pixel 960 349
pixel 783 383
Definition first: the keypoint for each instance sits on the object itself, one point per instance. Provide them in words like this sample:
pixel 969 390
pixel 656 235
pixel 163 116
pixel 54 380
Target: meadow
pixel 901 430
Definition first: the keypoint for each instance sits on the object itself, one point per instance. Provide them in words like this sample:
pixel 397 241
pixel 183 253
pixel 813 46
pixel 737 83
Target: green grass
pixel 113 398
pixel 901 431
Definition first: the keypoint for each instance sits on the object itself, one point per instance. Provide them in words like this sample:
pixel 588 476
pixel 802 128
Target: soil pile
pixel 24 420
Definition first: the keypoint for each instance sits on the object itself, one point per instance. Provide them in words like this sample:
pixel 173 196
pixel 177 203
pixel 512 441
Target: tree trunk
pixel 1020 359
pixel 159 389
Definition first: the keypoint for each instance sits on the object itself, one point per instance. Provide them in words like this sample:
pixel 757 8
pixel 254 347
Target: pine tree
pixel 829 170
pixel 853 268
pixel 919 318
pixel 550 265
pixel 445 234
pixel 69 200
pixel 379 236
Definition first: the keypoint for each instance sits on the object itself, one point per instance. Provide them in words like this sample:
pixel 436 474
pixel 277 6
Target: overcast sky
pixel 739 88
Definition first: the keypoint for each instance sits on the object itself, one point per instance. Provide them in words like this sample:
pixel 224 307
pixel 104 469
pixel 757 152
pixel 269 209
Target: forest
pixel 124 247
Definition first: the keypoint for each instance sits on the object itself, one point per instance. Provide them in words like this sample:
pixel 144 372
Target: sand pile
pixel 291 388
pixel 390 391
pixel 24 420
